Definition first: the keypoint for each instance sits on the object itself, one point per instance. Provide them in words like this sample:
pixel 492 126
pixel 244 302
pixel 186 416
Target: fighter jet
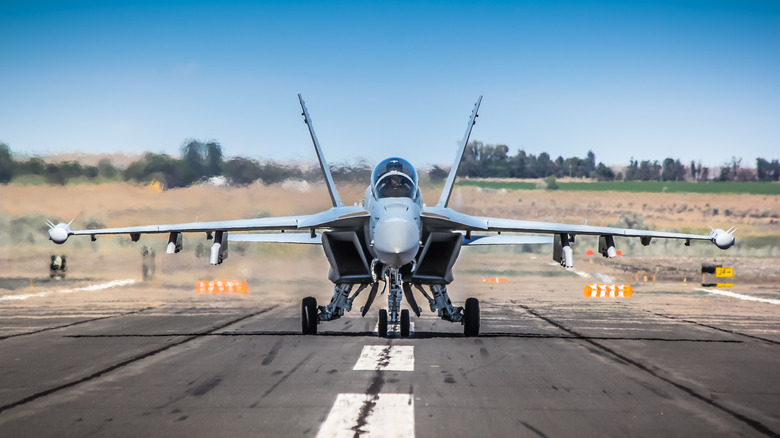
pixel 393 238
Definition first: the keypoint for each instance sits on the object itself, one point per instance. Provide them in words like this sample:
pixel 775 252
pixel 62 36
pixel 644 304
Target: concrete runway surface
pixel 160 360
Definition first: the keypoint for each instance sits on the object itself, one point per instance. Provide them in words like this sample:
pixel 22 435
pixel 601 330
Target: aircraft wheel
pixel 382 323
pixel 405 323
pixel 471 318
pixel 309 316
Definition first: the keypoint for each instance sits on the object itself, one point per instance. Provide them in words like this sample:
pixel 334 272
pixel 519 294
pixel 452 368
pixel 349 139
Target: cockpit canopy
pixel 394 178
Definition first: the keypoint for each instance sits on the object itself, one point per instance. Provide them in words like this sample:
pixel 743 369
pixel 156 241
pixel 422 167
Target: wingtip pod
pixel 59 233
pixel 723 239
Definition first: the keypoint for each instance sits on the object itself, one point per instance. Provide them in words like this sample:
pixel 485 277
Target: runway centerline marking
pixel 740 296
pixel 94 287
pixel 391 415
pixel 386 358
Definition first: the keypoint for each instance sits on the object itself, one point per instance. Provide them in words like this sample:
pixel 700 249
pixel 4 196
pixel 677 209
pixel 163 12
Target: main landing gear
pixel 393 316
pixel 471 318
pixel 309 316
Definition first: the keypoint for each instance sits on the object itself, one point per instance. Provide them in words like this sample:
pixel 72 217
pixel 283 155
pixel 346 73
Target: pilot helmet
pixel 394 165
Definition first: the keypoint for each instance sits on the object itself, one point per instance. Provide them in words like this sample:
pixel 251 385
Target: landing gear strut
pixel 438 299
pixel 440 302
pixel 396 315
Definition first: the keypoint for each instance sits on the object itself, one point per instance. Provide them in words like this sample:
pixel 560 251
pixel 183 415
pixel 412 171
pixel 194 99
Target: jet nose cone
pixel 396 242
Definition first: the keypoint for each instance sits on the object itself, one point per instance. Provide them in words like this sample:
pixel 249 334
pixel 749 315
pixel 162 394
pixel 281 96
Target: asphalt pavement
pixel 689 364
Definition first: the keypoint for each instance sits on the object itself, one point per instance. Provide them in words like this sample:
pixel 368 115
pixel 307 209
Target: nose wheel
pixel 382 325
pixel 404 323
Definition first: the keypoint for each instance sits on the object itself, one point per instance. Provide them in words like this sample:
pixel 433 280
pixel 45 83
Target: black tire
pixel 309 316
pixel 405 323
pixel 471 318
pixel 382 327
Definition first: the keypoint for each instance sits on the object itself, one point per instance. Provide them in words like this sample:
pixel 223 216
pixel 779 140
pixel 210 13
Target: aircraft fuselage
pixel 394 231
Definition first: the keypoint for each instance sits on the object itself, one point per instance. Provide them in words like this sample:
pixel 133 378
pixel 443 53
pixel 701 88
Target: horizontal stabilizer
pixel 304 238
pixel 507 240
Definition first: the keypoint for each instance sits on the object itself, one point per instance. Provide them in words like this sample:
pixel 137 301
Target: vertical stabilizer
pixel 334 194
pixel 447 192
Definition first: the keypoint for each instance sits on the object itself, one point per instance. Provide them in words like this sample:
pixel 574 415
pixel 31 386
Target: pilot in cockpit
pixel 392 179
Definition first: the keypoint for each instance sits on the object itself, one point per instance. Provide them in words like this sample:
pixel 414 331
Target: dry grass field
pixel 24 248
pixel 126 204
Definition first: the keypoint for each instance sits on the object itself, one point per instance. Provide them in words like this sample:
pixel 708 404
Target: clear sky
pixel 695 80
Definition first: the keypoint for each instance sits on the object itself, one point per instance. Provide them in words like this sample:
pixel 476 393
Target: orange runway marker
pixel 601 290
pixel 495 280
pixel 221 286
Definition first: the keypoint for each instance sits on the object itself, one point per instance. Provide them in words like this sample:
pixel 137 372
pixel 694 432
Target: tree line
pixel 493 161
pixel 200 161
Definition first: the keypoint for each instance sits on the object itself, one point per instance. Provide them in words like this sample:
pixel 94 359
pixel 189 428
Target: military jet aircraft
pixel 392 237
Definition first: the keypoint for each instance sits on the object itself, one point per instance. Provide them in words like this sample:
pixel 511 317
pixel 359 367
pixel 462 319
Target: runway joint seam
pixel 126 362
pixel 755 424
pixel 35 332
pixel 716 328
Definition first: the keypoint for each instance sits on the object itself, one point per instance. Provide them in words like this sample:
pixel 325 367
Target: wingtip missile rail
pixel 723 239
pixel 59 233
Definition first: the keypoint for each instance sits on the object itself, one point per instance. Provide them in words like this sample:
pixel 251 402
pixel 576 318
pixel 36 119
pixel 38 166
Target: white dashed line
pixel 740 296
pixel 386 358
pixel 390 415
pixel 94 287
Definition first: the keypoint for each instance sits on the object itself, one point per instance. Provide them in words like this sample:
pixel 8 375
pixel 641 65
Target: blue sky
pixel 695 80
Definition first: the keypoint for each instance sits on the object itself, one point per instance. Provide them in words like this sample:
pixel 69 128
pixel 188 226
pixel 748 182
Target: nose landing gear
pixel 398 318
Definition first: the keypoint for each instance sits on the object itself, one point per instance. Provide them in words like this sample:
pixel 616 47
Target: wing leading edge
pixel 446 217
pixel 333 218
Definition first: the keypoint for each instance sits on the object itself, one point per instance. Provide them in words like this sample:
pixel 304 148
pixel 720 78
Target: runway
pixel 160 360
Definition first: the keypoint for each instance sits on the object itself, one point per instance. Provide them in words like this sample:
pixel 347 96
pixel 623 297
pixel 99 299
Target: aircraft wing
pixel 437 218
pixel 334 217
pixel 279 223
